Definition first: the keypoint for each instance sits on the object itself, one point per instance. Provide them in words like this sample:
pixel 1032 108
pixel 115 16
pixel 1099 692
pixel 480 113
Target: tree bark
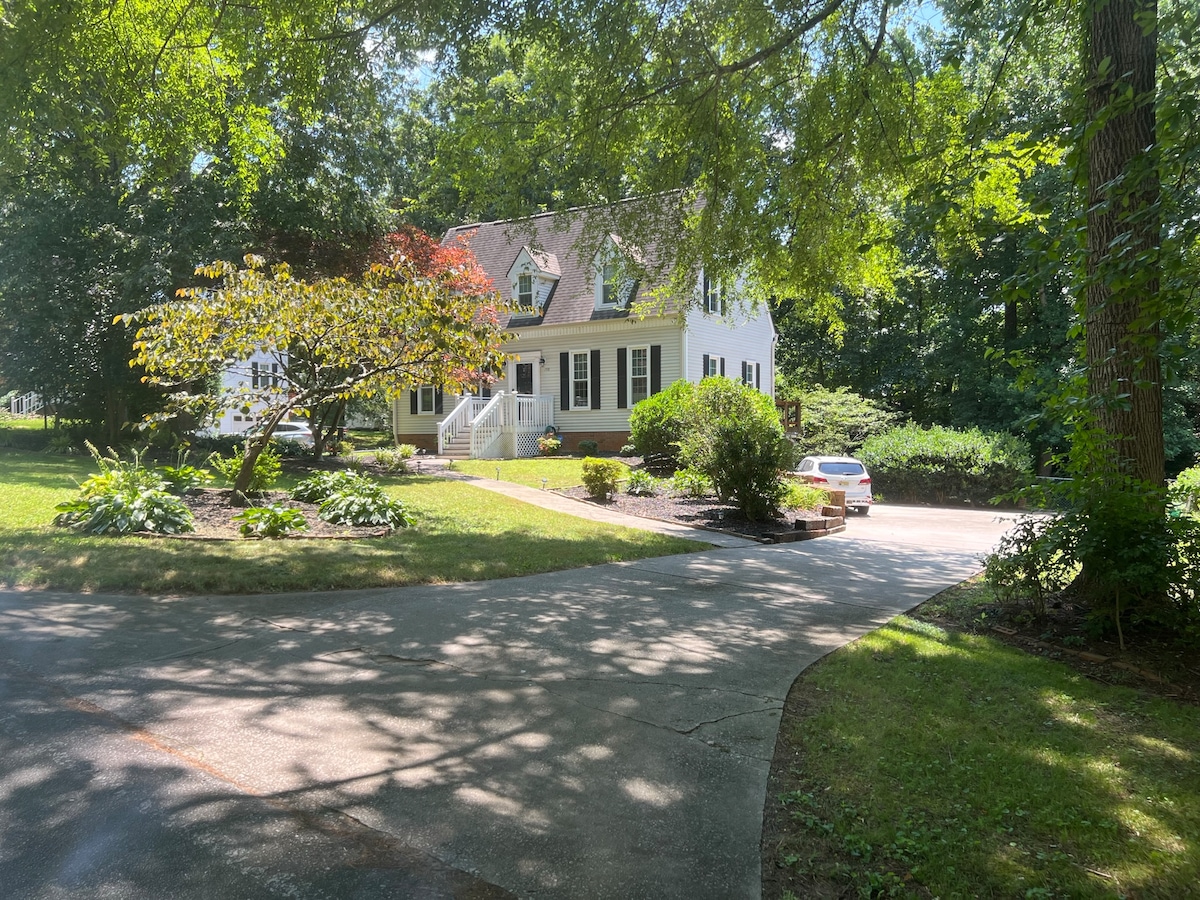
pixel 1123 225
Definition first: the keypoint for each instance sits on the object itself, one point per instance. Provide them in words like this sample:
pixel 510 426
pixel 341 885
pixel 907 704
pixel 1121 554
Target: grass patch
pixel 559 471
pixel 461 534
pixel 971 768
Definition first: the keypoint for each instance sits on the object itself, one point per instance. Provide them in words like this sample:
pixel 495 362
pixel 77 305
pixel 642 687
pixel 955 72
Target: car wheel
pixel 863 510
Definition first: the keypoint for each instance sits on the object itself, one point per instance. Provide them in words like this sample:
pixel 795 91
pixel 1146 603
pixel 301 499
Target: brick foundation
pixel 426 442
pixel 608 441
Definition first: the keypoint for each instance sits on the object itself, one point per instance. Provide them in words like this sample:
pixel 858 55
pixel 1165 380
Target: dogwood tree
pixel 335 339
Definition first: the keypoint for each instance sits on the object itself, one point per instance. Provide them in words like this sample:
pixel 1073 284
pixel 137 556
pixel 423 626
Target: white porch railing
pixel 25 405
pixel 509 426
pixel 459 420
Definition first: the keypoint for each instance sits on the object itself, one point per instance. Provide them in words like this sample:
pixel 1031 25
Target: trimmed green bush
pixel 943 465
pixel 589 448
pixel 836 423
pixel 600 476
pixel 658 423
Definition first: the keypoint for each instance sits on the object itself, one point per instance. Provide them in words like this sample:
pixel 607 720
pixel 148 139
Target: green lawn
pixel 559 471
pixel 973 769
pixel 461 534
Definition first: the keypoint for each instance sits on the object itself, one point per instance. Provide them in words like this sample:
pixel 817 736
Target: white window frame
pixel 586 380
pixel 524 298
pixel 645 377
pixel 714 297
pixel 714 366
pixel 421 395
pixel 609 288
pixel 748 372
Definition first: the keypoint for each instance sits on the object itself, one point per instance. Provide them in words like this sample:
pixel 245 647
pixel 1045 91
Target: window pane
pixel 580 382
pixel 525 290
pixel 426 398
pixel 638 364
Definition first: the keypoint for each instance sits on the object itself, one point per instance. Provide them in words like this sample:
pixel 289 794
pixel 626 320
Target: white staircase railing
pixel 459 420
pixel 25 405
pixel 488 429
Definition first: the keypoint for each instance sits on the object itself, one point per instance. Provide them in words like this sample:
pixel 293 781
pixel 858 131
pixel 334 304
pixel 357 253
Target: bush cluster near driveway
pixel 462 534
pixel 942 465
pixel 921 761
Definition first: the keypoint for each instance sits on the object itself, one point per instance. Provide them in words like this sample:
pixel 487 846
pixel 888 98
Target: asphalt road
pixel 604 732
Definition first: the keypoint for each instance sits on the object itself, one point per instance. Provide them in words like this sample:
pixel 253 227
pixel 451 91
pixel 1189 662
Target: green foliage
pixel 943 465
pixel 322 485
pixel 272 521
pixel 837 422
pixel 658 423
pixel 393 459
pixel 589 448
pixel 601 476
pixel 642 483
pixel 1185 489
pixel 797 495
pixel 122 498
pixel 549 445
pixel 265 473
pixel 736 439
pixel 365 505
pixel 690 482
pixel 184 478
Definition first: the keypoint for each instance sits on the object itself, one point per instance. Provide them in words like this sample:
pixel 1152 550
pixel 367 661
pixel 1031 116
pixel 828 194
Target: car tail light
pixel 866 480
pixel 817 479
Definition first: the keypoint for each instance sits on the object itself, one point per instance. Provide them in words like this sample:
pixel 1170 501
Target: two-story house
pixel 587 347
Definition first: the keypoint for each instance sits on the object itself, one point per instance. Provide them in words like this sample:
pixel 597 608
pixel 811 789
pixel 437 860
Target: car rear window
pixel 841 468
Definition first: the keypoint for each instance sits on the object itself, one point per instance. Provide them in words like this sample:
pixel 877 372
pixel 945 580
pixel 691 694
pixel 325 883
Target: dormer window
pixel 608 286
pixel 533 275
pixel 525 291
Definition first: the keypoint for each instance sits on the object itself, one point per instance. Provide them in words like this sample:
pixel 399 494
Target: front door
pixel 524 378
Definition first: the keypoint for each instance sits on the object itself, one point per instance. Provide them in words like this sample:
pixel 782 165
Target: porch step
pixel 460 447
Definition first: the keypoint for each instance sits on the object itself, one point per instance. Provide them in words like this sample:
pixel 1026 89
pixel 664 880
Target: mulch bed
pixel 213 513
pixel 702 512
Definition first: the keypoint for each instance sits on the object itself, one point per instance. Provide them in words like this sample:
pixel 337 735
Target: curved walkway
pixel 603 732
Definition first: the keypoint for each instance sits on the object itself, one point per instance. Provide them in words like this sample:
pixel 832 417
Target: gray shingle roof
pixel 572 240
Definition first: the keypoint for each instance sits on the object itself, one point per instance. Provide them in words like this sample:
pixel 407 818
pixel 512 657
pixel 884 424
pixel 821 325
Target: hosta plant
pixel 322 485
pixel 272 521
pixel 365 507
pixel 642 483
pixel 125 510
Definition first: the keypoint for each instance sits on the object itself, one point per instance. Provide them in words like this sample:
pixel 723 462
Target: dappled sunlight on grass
pixel 1013 772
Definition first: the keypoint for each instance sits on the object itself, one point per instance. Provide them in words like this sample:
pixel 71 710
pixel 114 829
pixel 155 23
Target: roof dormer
pixel 613 282
pixel 532 276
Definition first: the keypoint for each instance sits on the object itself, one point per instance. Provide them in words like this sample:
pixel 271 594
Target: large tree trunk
pixel 1122 337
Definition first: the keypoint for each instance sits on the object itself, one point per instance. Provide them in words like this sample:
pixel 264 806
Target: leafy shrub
pixel 392 459
pixel 323 485
pixel 945 465
pixel 1185 489
pixel 365 506
pixel 266 472
pixel 600 476
pixel 628 450
pixel 691 483
pixel 549 445
pixel 122 498
pixel 658 423
pixel 642 483
pixel 125 510
pixel 183 478
pixel 736 439
pixel 797 495
pixel 589 448
pixel 406 451
pixel 272 521
pixel 836 423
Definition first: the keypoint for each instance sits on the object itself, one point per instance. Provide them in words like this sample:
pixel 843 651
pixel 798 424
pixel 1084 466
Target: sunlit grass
pixel 980 770
pixel 559 471
pixel 461 534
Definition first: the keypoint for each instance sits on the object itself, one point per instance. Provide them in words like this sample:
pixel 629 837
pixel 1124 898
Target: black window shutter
pixel 622 387
pixel 564 377
pixel 595 379
pixel 704 366
pixel 412 402
pixel 655 368
pixel 722 366
pixel 758 376
pixel 437 402
pixel 486 392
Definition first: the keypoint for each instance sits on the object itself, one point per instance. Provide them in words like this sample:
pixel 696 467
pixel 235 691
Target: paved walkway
pixel 604 732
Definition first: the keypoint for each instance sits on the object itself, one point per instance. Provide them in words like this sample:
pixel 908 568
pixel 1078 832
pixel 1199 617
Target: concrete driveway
pixel 604 732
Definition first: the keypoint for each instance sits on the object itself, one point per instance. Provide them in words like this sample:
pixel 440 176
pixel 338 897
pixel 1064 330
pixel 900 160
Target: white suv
pixel 839 473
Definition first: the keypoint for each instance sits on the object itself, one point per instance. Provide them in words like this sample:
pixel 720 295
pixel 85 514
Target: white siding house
pixel 583 355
